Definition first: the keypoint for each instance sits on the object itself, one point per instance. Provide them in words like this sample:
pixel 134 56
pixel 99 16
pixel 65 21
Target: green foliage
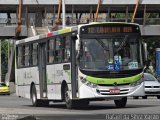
pixel 4 57
pixel 152 15
pixel 152 44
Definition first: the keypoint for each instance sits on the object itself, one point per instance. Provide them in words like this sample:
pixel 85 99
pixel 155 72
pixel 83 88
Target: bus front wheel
pixel 158 97
pixel 70 104
pixel 144 97
pixel 121 103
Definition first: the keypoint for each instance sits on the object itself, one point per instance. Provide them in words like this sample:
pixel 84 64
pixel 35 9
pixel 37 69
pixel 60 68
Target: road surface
pixel 16 108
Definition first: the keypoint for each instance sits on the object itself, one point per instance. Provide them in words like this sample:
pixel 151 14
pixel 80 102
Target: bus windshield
pixel 114 53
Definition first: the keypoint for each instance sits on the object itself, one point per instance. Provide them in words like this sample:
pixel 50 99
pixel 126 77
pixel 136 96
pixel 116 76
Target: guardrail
pixel 49 21
pixel 141 21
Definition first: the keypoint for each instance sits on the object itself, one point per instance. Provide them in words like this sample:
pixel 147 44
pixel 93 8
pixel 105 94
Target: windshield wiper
pixel 102 44
pixel 123 43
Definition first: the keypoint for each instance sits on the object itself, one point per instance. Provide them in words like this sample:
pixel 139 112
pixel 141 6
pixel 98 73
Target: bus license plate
pixel 114 91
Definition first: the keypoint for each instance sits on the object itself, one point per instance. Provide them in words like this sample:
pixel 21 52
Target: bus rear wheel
pixel 34 96
pixel 121 103
pixel 35 101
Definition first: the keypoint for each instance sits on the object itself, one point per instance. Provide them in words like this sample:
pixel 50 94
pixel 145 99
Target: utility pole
pixel 63 14
pixel 0 64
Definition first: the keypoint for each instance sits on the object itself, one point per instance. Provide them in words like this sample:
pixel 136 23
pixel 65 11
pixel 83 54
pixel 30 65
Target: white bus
pixel 76 65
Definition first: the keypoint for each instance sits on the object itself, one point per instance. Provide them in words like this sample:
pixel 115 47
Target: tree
pixel 152 44
pixel 4 58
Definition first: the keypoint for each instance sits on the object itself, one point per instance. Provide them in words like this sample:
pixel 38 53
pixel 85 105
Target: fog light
pixel 98 91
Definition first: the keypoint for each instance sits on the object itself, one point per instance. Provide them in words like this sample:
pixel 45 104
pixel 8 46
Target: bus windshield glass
pixel 114 53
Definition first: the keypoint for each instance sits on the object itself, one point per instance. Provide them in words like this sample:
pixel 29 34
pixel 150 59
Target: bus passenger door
pixel 42 70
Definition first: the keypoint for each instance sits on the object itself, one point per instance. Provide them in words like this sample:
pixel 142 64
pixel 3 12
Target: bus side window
pixel 20 56
pixel 62 49
pixel 26 55
pixel 58 51
pixel 34 53
pixel 63 39
pixel 51 46
pixel 30 54
pixel 67 49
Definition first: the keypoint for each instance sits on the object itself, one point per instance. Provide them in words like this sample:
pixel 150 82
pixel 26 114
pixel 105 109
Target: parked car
pixel 4 89
pixel 152 86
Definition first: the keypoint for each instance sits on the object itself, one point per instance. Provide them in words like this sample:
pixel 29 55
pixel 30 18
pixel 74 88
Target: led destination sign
pixel 105 29
pixel 109 29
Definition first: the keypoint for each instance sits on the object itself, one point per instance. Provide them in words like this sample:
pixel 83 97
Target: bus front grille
pixel 107 92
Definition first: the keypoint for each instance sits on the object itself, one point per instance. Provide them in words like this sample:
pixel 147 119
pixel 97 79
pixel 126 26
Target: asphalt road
pixel 13 107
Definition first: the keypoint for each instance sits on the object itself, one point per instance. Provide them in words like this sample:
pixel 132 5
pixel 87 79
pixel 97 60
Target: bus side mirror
pixel 145 55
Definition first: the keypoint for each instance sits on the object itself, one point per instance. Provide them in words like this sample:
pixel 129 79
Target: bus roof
pixel 65 30
pixel 125 23
pixel 47 35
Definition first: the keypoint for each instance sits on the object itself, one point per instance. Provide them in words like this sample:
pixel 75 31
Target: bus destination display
pixel 109 29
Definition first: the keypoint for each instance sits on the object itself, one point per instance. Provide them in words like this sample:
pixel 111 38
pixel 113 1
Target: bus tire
pixel 135 97
pixel 158 97
pixel 144 97
pixel 121 103
pixel 35 101
pixel 70 104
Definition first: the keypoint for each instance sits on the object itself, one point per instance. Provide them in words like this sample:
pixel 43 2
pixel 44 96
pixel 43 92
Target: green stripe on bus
pixel 113 80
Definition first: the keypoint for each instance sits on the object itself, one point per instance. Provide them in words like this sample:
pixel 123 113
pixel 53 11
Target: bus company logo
pixel 115 84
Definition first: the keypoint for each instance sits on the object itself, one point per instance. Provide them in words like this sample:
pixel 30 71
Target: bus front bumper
pixel 110 92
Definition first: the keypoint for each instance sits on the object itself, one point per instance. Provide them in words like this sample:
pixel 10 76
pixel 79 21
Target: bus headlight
pixel 88 83
pixel 137 83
